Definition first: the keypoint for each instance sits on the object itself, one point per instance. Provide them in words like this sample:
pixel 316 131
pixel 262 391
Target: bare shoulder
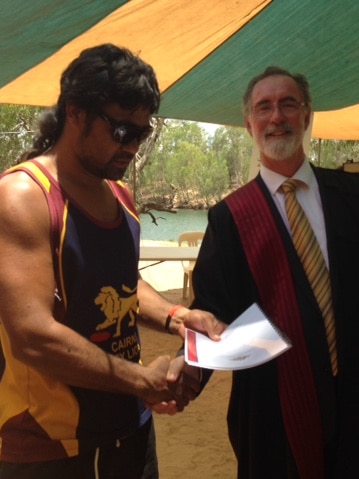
pixel 22 205
pixel 26 270
pixel 25 247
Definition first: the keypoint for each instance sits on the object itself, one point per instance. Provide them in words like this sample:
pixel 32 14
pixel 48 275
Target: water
pixel 170 225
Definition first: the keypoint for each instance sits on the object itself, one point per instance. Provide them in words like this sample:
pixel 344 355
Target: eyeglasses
pixel 288 108
pixel 125 133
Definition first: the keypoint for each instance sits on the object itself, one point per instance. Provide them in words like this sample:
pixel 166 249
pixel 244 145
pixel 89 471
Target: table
pixel 160 254
pixel 168 253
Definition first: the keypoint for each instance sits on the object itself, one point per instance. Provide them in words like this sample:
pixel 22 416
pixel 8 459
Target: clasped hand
pixel 183 382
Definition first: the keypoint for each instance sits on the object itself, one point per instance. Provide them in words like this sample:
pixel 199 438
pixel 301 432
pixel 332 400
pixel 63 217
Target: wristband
pixel 170 316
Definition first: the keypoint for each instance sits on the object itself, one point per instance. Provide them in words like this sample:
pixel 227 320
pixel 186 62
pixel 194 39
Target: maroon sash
pixel 270 268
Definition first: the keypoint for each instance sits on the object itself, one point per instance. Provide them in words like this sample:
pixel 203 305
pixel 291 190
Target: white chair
pixel 189 238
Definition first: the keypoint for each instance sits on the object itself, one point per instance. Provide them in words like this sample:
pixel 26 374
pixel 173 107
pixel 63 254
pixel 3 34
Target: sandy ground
pixel 193 444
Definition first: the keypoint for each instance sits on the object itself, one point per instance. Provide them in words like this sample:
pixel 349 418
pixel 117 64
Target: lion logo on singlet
pixel 115 308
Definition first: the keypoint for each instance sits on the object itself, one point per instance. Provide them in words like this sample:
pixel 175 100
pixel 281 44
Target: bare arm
pixel 154 310
pixel 27 294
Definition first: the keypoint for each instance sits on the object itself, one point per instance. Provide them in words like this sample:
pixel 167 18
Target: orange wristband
pixel 170 316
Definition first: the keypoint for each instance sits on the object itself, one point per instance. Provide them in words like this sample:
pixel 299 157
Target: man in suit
pixel 296 416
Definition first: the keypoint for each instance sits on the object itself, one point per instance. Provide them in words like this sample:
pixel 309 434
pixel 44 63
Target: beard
pixel 278 148
pixel 114 169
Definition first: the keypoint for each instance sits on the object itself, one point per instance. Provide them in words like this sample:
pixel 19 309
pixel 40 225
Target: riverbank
pixel 168 226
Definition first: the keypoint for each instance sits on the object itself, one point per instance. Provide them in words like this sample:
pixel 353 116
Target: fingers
pixel 204 322
pixel 219 327
pixel 175 369
pixel 177 383
pixel 156 384
pixel 182 386
pixel 161 363
pixel 159 370
pixel 214 328
pixel 187 386
pixel 169 407
pixel 198 320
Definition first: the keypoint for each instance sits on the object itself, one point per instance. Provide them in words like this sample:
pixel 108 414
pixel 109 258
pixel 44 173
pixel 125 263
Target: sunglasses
pixel 125 133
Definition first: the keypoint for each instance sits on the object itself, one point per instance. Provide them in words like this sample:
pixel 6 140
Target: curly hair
pixel 100 75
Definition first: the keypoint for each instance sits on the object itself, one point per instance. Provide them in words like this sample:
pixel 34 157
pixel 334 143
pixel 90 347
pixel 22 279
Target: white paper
pixel 249 341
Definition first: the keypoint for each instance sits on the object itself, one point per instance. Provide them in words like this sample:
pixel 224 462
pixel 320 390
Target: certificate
pixel 250 340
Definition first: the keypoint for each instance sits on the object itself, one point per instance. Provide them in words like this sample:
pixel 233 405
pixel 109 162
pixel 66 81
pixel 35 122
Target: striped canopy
pixel 203 51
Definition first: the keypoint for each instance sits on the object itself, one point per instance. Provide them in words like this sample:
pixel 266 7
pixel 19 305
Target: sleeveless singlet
pixel 96 268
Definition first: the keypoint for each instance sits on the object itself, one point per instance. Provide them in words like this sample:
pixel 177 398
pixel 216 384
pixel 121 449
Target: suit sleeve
pixel 221 278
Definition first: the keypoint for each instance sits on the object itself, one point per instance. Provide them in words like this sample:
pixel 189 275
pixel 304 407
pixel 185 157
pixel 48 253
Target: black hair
pixel 100 75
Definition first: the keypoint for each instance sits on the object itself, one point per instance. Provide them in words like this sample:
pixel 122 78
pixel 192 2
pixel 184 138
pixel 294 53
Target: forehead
pixel 275 88
pixel 140 116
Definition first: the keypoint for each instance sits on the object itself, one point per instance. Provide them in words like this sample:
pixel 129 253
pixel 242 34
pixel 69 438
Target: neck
pixel 64 166
pixel 286 167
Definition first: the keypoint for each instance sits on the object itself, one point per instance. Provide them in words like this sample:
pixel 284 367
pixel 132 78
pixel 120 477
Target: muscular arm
pixel 27 294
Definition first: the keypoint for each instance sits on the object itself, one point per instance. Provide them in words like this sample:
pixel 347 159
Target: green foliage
pixel 185 166
pixel 16 132
pixel 333 153
pixel 234 146
pixel 193 167
pixel 188 166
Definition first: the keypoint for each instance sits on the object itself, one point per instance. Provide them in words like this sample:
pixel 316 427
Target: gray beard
pixel 280 150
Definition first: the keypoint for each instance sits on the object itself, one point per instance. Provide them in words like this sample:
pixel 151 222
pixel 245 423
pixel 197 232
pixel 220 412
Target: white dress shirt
pixel 308 197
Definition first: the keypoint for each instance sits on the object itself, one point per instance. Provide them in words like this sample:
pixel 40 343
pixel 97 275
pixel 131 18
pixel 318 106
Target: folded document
pixel 249 341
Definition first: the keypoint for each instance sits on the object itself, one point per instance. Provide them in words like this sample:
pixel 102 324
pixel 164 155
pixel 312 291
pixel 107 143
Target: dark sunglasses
pixel 125 133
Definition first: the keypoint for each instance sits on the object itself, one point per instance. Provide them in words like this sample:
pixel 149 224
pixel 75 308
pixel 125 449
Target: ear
pixel 75 114
pixel 307 117
pixel 248 124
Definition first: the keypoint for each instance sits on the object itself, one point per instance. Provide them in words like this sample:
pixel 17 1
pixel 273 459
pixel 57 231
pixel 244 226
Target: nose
pixel 131 147
pixel 276 115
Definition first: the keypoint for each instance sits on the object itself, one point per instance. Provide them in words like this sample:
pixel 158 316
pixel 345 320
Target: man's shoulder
pixel 338 179
pixel 251 188
pixel 222 207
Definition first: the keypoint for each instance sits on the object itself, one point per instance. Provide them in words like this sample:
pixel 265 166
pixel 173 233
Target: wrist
pixel 171 317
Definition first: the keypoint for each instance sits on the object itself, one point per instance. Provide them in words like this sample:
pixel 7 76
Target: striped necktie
pixel 310 254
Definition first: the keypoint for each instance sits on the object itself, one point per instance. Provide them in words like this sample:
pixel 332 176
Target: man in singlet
pixel 75 402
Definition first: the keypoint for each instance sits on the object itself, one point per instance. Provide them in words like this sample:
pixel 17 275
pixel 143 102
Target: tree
pixel 333 153
pixel 234 146
pixel 16 132
pixel 183 169
pixel 143 155
pixel 181 164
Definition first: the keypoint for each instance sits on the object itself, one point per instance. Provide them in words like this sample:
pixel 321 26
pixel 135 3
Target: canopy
pixel 203 51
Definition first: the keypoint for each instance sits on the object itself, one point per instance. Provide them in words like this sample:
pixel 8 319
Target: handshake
pixel 174 385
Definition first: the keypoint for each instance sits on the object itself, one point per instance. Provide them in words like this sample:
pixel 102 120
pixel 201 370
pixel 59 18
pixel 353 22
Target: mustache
pixel 123 156
pixel 283 128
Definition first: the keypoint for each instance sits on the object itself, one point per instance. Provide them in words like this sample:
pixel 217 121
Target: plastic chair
pixel 189 238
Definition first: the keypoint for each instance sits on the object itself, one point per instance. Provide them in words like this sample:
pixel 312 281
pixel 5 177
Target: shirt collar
pixel 274 180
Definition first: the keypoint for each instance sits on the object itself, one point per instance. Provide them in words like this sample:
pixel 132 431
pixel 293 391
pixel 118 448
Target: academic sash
pixel 268 262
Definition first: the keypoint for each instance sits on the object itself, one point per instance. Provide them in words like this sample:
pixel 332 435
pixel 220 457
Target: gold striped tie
pixel 310 254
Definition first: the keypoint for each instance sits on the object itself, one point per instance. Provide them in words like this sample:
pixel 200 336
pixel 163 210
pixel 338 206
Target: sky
pixel 209 127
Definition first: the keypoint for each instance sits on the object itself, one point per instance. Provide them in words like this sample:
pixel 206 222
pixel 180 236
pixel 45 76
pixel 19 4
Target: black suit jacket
pixel 224 285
